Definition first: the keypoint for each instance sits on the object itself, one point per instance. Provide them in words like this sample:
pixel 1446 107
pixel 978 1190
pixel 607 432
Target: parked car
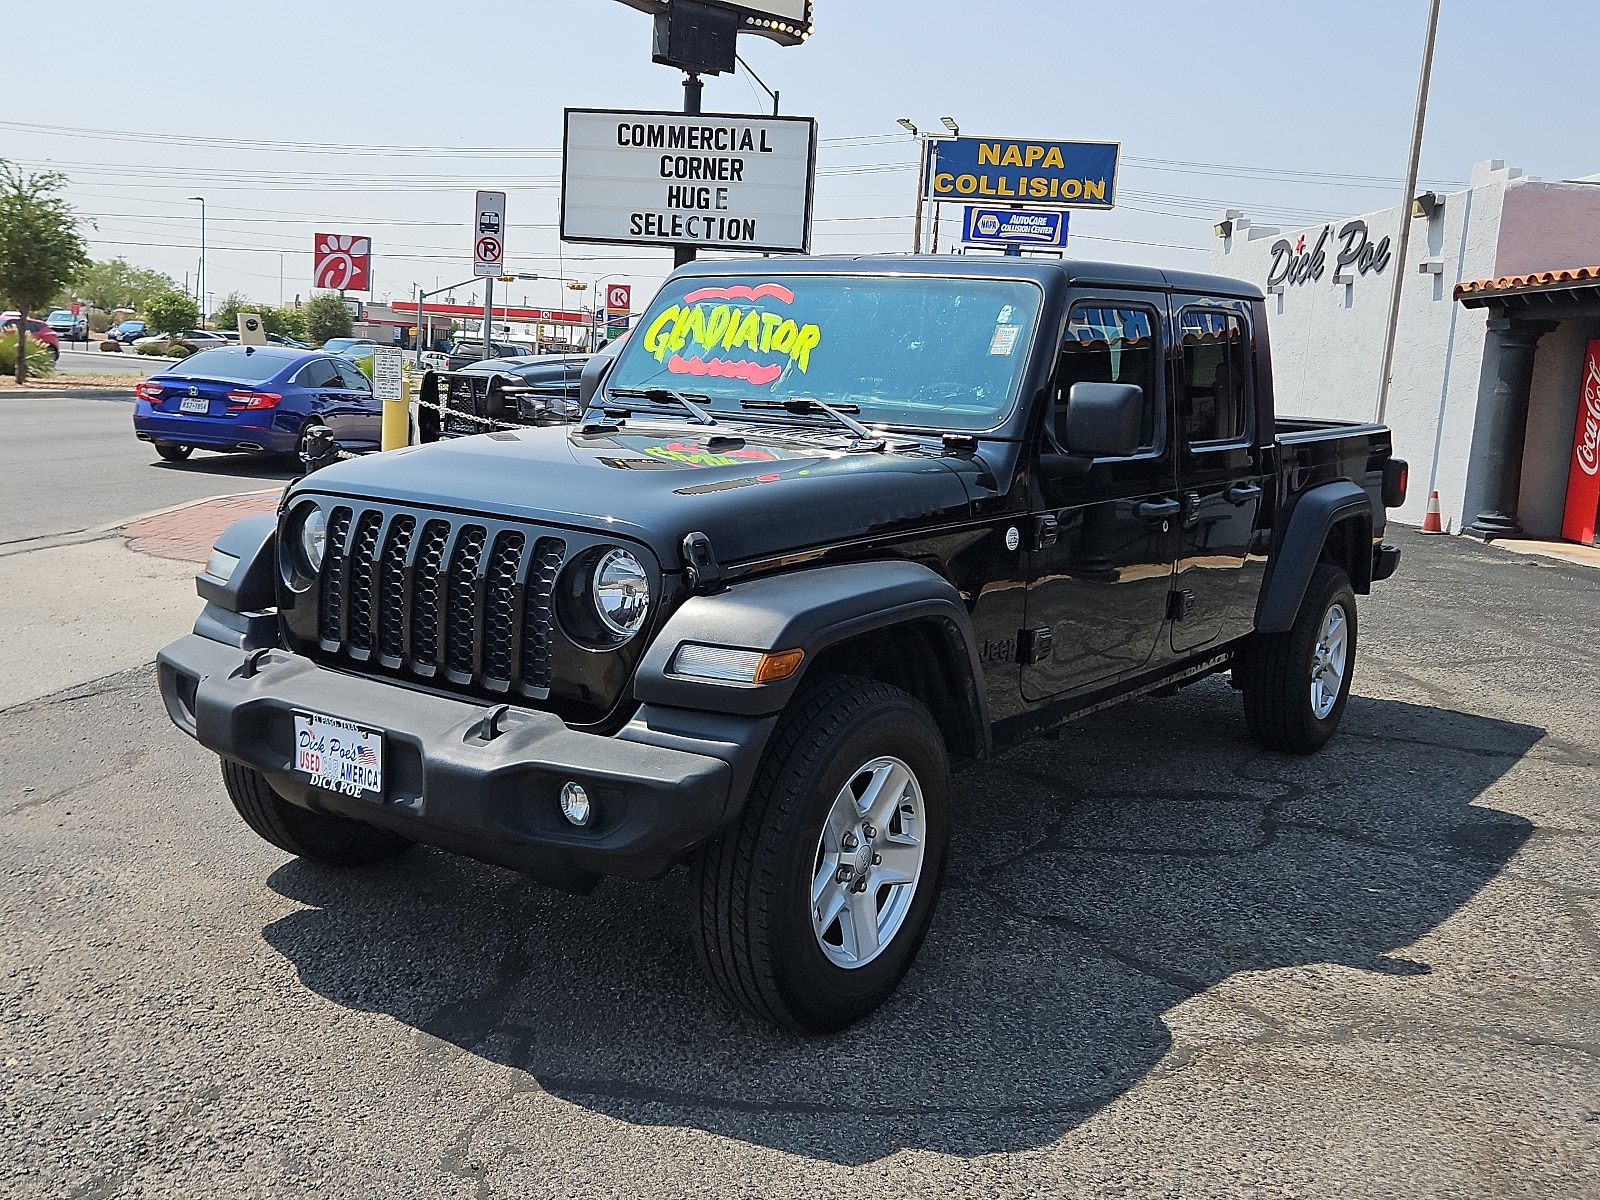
pixel 905 511
pixel 201 339
pixel 273 339
pixel 38 331
pixel 463 353
pixel 524 390
pixel 257 398
pixel 65 325
pixel 126 331
pixel 351 347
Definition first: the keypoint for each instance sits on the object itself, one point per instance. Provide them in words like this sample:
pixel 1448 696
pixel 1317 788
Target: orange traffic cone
pixel 1430 523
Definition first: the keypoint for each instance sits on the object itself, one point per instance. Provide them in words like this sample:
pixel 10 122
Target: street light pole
pixel 1405 210
pixel 922 180
pixel 202 287
pixel 692 89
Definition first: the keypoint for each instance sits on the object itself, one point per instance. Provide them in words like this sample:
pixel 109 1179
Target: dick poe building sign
pixel 669 179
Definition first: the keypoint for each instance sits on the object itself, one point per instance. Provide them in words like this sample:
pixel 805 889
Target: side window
pixel 353 377
pixel 1109 345
pixel 1215 402
pixel 320 373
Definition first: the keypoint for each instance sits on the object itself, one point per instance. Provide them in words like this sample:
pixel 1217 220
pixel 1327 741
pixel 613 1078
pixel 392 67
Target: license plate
pixel 338 756
pixel 194 404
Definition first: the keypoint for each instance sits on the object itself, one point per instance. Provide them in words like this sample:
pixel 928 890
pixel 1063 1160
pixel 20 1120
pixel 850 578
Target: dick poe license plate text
pixel 338 756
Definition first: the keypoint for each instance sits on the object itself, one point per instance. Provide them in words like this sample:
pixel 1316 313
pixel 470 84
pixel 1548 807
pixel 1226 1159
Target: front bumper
pixel 458 778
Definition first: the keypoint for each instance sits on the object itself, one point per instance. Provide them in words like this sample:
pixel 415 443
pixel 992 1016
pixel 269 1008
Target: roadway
pixel 1166 963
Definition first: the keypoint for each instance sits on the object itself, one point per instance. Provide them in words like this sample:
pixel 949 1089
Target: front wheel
pixel 337 841
pixel 1296 683
pixel 172 452
pixel 813 906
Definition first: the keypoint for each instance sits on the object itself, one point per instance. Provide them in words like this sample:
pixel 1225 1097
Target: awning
pixel 1531 295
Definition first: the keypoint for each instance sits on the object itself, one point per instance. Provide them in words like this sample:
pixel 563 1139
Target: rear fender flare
pixel 811 610
pixel 1311 518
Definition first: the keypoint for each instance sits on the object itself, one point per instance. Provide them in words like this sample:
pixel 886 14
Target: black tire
pixel 173 452
pixel 337 841
pixel 753 932
pixel 1274 671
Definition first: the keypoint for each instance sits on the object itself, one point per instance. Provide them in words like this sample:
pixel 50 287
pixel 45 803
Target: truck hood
pixel 755 494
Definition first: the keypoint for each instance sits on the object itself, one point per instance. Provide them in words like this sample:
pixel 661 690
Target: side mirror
pixel 1103 419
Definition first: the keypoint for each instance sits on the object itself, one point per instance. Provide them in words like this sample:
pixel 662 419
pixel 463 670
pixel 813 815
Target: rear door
pixel 366 410
pixel 331 403
pixel 1102 544
pixel 1220 473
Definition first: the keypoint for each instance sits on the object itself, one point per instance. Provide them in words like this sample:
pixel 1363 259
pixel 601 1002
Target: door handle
pixel 1158 510
pixel 1243 493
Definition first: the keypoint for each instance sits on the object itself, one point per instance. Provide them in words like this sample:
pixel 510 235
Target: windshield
pixel 231 364
pixel 922 351
pixel 61 314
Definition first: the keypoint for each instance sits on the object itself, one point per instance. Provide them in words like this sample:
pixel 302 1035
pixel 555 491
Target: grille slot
pixel 465 604
pixel 363 565
pixel 548 555
pixel 425 600
pixel 392 587
pixel 333 575
pixel 461 619
pixel 500 608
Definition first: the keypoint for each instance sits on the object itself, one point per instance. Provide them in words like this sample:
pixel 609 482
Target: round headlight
pixel 313 540
pixel 621 592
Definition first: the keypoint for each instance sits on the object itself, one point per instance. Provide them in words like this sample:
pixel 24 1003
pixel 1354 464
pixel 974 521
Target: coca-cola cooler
pixel 1583 480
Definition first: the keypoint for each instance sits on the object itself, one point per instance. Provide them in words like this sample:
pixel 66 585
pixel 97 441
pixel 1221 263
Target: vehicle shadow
pixel 243 466
pixel 1095 882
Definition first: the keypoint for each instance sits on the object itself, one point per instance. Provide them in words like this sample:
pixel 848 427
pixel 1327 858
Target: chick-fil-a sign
pixel 1583 481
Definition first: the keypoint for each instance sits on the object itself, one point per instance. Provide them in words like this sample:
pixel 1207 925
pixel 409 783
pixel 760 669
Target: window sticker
pixel 1005 339
pixel 733 333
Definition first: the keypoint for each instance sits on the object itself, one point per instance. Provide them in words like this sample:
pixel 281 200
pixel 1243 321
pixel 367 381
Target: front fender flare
pixel 809 609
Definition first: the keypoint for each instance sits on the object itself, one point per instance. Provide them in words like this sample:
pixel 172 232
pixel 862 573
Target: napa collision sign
pixel 1043 174
pixel 716 182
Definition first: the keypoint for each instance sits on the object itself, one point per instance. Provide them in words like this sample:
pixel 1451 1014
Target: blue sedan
pixel 260 398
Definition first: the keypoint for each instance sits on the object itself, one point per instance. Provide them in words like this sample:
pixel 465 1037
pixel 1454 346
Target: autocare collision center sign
pixel 667 179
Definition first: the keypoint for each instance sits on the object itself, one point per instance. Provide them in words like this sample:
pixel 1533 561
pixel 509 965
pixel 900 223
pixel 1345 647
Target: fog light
pixel 575 803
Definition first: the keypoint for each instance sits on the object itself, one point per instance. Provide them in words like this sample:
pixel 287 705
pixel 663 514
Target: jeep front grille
pixel 463 604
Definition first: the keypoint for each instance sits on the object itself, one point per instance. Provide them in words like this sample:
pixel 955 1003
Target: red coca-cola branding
pixel 1583 481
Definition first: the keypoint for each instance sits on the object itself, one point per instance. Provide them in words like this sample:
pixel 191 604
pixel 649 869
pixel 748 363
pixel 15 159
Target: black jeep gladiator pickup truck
pixel 827 526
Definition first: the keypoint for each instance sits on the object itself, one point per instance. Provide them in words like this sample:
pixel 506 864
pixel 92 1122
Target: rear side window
pixel 1215 404
pixel 353 377
pixel 320 373
pixel 228 363
pixel 1109 345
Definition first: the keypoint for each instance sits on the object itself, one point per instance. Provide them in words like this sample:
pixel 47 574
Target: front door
pixel 1220 478
pixel 1102 543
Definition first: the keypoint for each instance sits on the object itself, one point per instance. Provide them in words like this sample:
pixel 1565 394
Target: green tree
pixel 227 314
pixel 111 285
pixel 172 312
pixel 40 247
pixel 285 322
pixel 326 317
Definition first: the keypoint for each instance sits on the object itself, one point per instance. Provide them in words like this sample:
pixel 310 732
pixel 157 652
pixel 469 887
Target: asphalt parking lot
pixel 1166 964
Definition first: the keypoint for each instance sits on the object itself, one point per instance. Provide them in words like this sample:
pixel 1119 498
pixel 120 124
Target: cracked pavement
pixel 1166 964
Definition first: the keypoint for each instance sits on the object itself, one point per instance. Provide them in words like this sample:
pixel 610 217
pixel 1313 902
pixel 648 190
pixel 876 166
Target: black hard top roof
pixel 1073 272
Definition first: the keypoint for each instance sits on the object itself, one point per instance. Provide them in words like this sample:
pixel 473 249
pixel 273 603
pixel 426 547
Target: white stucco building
pixel 1501 295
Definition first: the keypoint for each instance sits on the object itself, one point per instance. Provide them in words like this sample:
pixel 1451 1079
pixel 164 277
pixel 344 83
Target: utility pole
pixel 201 288
pixel 922 180
pixel 692 88
pixel 1406 201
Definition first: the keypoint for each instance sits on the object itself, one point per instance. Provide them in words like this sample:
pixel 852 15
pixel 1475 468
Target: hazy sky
pixel 293 117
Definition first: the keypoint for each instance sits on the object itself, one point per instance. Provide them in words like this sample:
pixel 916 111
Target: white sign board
pixel 489 234
pixel 251 331
pixel 386 369
pixel 666 179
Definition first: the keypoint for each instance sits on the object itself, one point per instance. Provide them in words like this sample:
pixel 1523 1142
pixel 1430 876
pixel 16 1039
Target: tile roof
pixel 1518 283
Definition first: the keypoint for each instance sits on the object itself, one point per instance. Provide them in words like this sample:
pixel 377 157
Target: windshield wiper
pixel 658 394
pixel 805 405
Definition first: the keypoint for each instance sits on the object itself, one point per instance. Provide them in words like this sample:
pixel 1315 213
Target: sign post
pixel 388 385
pixel 488 255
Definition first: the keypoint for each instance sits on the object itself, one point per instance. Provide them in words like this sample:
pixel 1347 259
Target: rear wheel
pixel 1296 683
pixel 338 841
pixel 173 452
pixel 813 907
